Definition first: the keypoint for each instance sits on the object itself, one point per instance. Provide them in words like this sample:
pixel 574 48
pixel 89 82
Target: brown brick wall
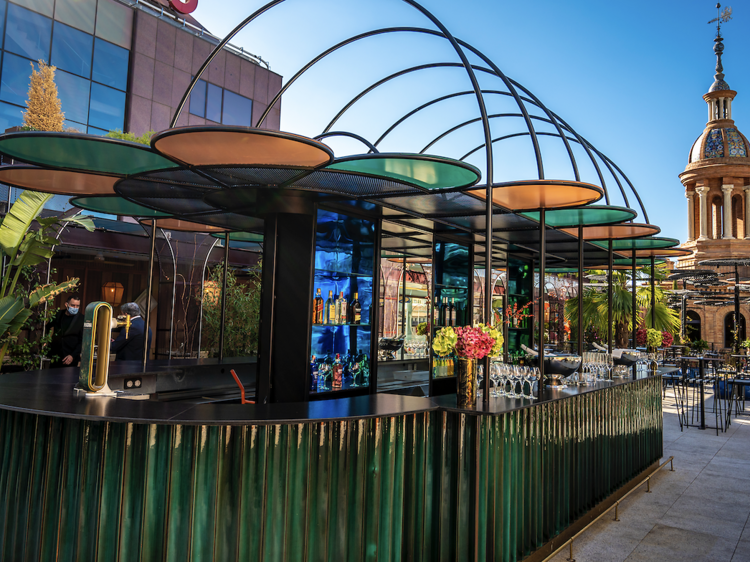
pixel 163 58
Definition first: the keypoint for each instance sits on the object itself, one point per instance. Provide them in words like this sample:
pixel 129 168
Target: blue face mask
pixel 72 310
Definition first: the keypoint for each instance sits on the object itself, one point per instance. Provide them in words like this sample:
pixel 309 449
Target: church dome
pixel 720 142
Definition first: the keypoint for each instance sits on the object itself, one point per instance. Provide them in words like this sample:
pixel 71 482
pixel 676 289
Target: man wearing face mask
pixel 68 334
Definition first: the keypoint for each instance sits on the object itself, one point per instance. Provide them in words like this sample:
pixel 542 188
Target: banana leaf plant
pixel 24 247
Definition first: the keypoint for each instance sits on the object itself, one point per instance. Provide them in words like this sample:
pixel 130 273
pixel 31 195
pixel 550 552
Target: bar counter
pixel 380 477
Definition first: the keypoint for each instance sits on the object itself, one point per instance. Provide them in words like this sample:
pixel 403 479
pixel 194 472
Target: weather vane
pixel 722 17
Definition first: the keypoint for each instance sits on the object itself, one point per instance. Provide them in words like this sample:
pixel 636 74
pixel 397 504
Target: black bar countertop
pixel 50 392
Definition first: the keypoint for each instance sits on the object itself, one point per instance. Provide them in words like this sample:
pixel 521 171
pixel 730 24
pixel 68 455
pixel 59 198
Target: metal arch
pixel 382 81
pixel 336 47
pixel 361 139
pixel 465 124
pixel 215 52
pixel 203 288
pixel 632 187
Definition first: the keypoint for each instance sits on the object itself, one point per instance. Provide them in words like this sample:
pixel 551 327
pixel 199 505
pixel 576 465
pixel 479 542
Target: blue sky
pixel 627 76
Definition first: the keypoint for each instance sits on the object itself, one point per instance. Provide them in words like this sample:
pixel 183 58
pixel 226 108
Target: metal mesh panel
pixel 438 204
pixel 176 206
pixel 352 185
pixel 232 221
pixel 180 176
pixel 253 176
pixel 135 189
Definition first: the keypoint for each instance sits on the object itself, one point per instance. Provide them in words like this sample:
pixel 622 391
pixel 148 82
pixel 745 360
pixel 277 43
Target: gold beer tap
pixel 121 321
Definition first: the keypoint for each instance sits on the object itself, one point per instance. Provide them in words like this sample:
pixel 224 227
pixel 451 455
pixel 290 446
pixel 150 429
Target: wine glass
pixel 480 378
pixel 495 377
pixel 527 376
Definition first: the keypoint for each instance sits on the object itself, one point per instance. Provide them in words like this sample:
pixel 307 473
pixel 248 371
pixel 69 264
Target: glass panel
pixel 74 96
pixel 78 13
pixel 10 116
pixel 42 6
pixel 3 4
pixel 238 109
pixel 344 256
pixel 114 22
pixel 213 103
pixel 27 33
pixel 107 108
pixel 73 125
pixel 95 131
pixel 14 86
pixel 198 99
pixel 110 65
pixel 71 50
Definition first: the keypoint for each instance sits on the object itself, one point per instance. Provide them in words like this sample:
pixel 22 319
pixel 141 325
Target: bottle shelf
pixel 333 273
pixel 340 325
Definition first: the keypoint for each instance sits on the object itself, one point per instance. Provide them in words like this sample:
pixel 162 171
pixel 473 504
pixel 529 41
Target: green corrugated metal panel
pixel 425 486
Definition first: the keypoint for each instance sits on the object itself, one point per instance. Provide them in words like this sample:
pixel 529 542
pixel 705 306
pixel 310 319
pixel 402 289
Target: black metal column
pixel 147 312
pixel 224 297
pixel 634 292
pixel 487 280
pixel 580 290
pixel 737 323
pixel 653 293
pixel 609 296
pixel 542 266
pixel 403 306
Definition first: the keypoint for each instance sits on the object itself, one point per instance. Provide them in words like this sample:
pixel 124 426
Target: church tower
pixel 717 179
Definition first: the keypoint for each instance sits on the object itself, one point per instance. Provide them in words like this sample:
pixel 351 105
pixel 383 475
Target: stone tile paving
pixel 700 512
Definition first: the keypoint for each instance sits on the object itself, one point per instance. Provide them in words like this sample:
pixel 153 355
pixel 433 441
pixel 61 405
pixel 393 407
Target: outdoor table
pixel 701 378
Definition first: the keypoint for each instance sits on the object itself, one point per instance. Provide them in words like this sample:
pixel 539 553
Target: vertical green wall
pixel 426 486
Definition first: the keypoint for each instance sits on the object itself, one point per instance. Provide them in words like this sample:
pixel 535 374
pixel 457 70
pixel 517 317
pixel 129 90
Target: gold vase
pixel 466 376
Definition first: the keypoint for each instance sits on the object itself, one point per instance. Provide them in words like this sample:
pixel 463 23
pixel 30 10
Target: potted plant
pixel 699 346
pixel 467 344
pixel 666 339
pixel 745 346
pixel 653 340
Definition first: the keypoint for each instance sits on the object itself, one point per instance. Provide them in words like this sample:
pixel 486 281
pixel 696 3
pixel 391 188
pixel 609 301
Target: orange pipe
pixel 242 388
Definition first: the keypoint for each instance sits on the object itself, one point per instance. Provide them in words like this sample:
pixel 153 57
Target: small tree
pixel 43 111
pixel 145 138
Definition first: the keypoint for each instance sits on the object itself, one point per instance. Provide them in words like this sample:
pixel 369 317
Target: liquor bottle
pixel 343 309
pixel 348 362
pixel 451 314
pixel 355 310
pixel 337 371
pixel 364 368
pixel 326 373
pixel 442 313
pixel 314 372
pixel 436 313
pixel 330 312
pixel 318 305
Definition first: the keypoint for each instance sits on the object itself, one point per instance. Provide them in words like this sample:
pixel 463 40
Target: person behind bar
pixel 68 334
pixel 130 348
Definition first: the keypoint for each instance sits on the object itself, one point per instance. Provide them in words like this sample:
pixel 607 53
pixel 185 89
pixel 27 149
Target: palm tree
pixel 595 307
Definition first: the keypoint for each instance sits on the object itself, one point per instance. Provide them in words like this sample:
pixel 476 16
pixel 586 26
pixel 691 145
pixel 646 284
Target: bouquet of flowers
pixel 444 342
pixel 497 335
pixel 423 329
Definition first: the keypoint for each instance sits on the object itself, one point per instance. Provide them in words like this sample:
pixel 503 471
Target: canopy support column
pixel 147 312
pixel 609 297
pixel 487 286
pixel 634 304
pixel 580 290
pixel 542 266
pixel 653 293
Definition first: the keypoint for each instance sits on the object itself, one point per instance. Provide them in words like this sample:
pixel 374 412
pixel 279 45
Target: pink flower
pixel 473 343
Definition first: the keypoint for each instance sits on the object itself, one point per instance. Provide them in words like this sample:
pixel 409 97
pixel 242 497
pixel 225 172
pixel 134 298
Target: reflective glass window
pixel 198 99
pixel 107 108
pixel 213 103
pixel 110 64
pixel 95 131
pixel 27 33
pixel 238 110
pixel 14 84
pixel 42 6
pixel 10 116
pixel 78 13
pixel 3 5
pixel 74 96
pixel 71 50
pixel 114 22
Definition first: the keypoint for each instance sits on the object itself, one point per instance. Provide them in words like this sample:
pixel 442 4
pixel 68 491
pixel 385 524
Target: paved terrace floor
pixel 699 512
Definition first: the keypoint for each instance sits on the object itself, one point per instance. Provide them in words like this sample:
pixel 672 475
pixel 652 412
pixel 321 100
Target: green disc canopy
pixel 114 205
pixel 73 151
pixel 591 214
pixel 626 263
pixel 241 237
pixel 428 172
pixel 648 243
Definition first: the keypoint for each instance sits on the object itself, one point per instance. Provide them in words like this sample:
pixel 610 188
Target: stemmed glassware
pixel 495 377
pixel 480 378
